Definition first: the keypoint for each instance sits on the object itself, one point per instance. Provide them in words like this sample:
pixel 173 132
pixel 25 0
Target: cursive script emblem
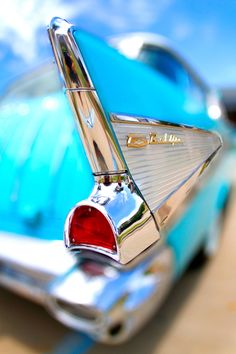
pixel 141 140
pixel 137 141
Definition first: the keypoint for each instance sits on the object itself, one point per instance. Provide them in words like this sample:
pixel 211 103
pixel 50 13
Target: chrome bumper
pixel 28 265
pixel 90 295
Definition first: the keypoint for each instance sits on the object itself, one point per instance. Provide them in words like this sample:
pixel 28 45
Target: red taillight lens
pixel 88 226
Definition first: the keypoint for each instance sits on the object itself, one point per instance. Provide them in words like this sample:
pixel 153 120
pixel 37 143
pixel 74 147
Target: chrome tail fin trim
pixel 133 224
pixel 160 161
pixel 95 130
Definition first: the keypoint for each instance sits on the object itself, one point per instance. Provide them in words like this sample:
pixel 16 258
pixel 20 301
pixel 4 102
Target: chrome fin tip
pixel 58 22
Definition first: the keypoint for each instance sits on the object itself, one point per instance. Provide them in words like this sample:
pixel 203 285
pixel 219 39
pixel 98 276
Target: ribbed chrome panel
pixel 159 170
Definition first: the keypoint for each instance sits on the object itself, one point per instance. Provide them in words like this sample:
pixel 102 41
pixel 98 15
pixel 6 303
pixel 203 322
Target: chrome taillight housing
pixel 89 227
pixel 115 221
pixel 143 169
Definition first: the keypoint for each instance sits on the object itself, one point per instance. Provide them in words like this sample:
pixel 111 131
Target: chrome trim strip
pixel 96 133
pixel 141 120
pixel 68 57
pixel 95 129
pixel 80 89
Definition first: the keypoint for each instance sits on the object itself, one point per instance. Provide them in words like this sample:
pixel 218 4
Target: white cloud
pixel 20 20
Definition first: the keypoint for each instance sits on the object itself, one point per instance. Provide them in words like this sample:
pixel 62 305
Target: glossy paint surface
pixel 129 87
pixel 44 170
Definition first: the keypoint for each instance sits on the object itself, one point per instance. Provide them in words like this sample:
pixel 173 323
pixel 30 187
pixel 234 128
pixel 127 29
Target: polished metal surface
pixel 97 135
pixel 108 303
pixel 186 322
pixel 68 57
pixel 89 295
pixel 133 225
pixel 162 168
pixel 28 265
pixel 176 203
pixel 95 130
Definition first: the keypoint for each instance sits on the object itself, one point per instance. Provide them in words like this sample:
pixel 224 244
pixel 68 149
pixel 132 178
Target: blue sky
pixel 203 31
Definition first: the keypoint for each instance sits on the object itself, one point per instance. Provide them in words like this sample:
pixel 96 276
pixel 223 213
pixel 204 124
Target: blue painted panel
pixel 44 170
pixel 130 87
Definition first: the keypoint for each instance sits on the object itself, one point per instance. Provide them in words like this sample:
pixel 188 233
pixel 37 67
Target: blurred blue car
pixel 141 190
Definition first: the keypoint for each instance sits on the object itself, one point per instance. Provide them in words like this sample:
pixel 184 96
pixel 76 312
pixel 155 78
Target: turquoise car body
pixel 44 170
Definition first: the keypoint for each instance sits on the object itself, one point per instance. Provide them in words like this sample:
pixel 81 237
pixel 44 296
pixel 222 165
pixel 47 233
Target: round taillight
pixel 88 226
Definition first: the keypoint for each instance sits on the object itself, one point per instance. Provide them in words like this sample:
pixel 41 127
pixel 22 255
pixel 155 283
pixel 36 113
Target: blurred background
pixel 204 33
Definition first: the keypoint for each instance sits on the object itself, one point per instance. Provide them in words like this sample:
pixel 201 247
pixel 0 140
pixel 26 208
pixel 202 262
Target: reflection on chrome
pixel 132 224
pixel 98 139
pixel 68 57
pixel 86 294
pixel 27 266
pixel 109 303
pixel 96 133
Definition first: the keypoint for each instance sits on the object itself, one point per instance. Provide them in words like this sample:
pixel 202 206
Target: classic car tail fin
pixel 143 168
